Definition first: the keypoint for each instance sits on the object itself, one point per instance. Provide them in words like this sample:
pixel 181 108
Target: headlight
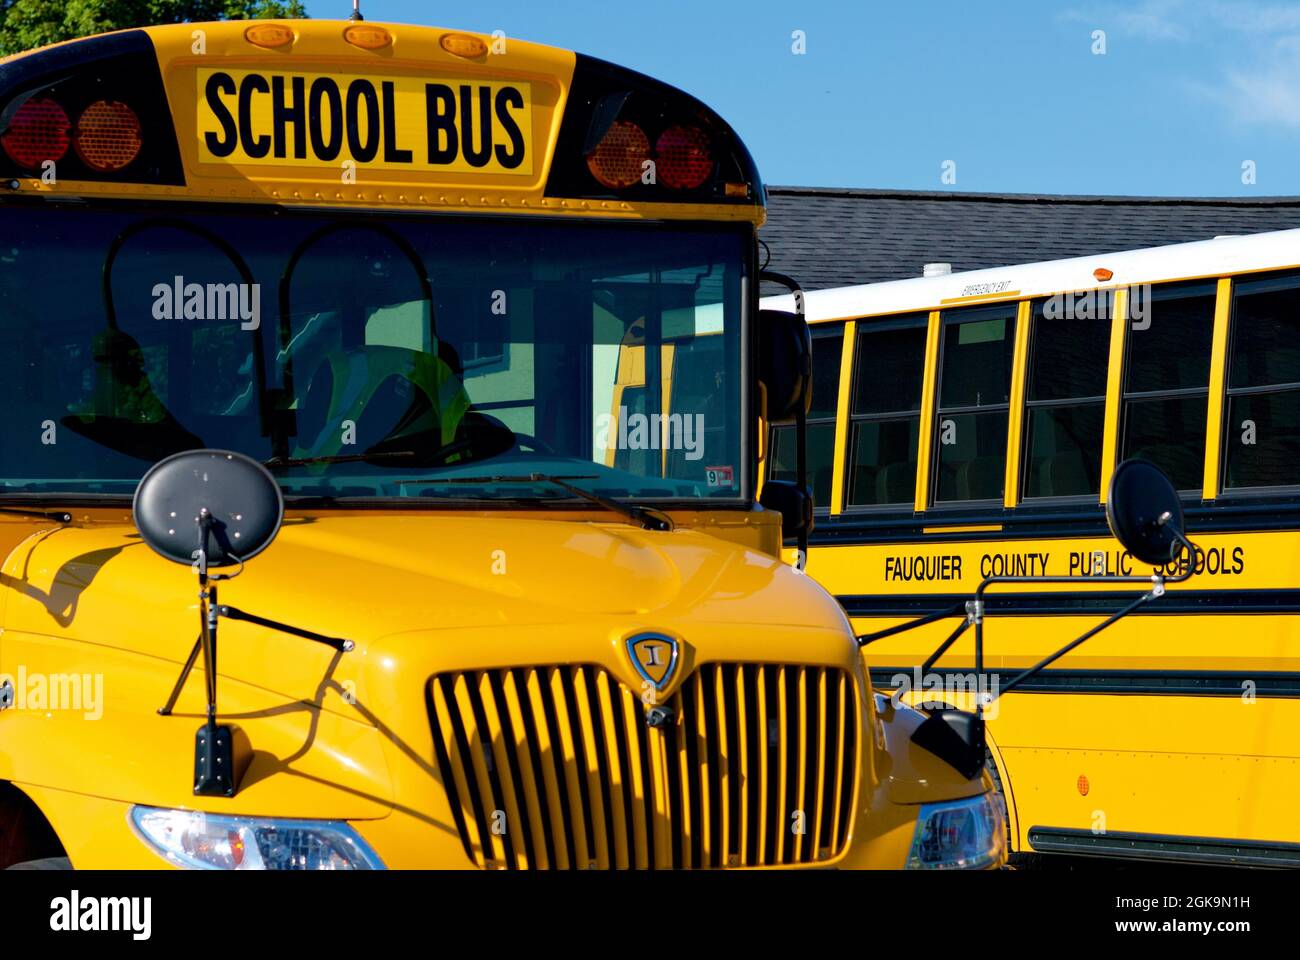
pixel 958 835
pixel 212 841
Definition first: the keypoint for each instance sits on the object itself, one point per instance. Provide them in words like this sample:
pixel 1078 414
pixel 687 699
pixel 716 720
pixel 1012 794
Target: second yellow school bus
pixel 967 425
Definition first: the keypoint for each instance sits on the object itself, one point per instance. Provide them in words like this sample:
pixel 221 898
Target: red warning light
pixel 685 160
pixel 37 132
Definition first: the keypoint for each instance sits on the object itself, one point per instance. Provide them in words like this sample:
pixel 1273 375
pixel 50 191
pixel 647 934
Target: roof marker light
pixel 367 36
pixel 463 45
pixel 1102 274
pixel 269 35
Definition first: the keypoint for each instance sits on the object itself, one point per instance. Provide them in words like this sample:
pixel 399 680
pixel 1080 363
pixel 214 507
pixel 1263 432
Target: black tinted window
pixel 1261 439
pixel 827 343
pixel 888 372
pixel 1166 378
pixel 974 402
pixel 1066 400
pixel 1169 337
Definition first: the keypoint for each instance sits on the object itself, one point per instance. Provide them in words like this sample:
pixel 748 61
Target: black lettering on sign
pixel 325 89
pixel 253 146
pixel 905 569
pixel 476 157
pixel 1013 564
pixel 392 152
pixel 223 146
pixel 282 114
pixel 440 106
pixel 1101 563
pixel 1215 561
pixel 508 97
pixel 363 151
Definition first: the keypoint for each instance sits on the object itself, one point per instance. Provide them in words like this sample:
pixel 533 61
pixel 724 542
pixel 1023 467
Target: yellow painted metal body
pixel 421 593
pixel 1101 761
pixel 349 736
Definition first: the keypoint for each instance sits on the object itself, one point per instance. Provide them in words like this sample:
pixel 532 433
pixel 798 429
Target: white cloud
pixel 1268 93
pixel 1191 19
pixel 1263 85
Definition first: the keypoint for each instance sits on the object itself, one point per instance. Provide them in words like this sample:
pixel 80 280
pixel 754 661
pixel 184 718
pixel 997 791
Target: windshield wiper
pixel 644 517
pixel 275 462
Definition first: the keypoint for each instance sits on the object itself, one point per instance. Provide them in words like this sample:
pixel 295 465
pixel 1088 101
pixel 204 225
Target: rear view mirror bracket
pixel 236 509
pixel 1144 513
pixel 785 371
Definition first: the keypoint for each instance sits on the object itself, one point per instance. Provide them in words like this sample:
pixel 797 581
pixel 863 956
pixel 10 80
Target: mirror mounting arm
pixel 222 752
pixel 1157 581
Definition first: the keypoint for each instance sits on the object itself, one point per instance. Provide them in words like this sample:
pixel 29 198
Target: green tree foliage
pixel 25 24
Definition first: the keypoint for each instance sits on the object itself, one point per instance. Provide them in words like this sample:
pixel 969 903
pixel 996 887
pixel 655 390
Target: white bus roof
pixel 1181 261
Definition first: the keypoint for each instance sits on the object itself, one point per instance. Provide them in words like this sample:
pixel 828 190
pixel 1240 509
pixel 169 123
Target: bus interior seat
pixel 980 478
pixel 865 479
pixel 1065 475
pixel 896 482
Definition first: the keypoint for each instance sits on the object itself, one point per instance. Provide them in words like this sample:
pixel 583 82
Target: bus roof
pixel 340 113
pixel 1181 261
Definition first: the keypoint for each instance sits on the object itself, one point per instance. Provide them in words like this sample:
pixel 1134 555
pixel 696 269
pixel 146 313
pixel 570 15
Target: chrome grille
pixel 555 767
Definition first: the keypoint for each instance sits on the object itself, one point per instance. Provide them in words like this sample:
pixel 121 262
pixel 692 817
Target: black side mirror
pixel 212 509
pixel 784 364
pixel 794 503
pixel 1144 512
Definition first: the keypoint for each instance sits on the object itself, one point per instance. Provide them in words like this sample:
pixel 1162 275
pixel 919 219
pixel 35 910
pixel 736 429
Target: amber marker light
pixel 463 45
pixel 269 35
pixel 619 158
pixel 1102 274
pixel 108 136
pixel 367 36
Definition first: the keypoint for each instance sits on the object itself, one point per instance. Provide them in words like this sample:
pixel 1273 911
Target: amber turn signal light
pixel 367 36
pixel 269 35
pixel 463 45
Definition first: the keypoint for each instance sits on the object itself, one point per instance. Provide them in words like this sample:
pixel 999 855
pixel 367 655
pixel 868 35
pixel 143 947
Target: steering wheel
pixel 532 443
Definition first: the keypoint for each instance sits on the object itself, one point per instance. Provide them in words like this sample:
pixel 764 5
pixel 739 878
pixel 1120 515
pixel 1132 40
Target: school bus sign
pixel 426 124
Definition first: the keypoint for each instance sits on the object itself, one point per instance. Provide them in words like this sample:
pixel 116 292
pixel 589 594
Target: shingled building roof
pixel 826 237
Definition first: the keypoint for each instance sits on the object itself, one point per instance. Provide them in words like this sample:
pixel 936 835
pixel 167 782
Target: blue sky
pixel 1011 91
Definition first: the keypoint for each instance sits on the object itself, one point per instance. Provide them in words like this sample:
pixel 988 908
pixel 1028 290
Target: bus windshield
pixel 371 356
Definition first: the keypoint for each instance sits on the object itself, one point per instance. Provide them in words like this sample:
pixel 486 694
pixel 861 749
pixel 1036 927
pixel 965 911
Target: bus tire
pixel 25 835
pixel 1015 860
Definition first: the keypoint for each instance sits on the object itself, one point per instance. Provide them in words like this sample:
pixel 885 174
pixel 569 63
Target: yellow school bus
pixel 342 315
pixel 967 426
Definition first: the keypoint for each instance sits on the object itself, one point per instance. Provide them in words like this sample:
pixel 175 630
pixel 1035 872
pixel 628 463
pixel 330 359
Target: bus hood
pixel 422 593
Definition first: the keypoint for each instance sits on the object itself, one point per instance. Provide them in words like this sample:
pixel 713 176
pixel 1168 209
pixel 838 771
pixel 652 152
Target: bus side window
pixel 885 418
pixel 1167 378
pixel 1262 429
pixel 828 342
pixel 1065 404
pixel 974 402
